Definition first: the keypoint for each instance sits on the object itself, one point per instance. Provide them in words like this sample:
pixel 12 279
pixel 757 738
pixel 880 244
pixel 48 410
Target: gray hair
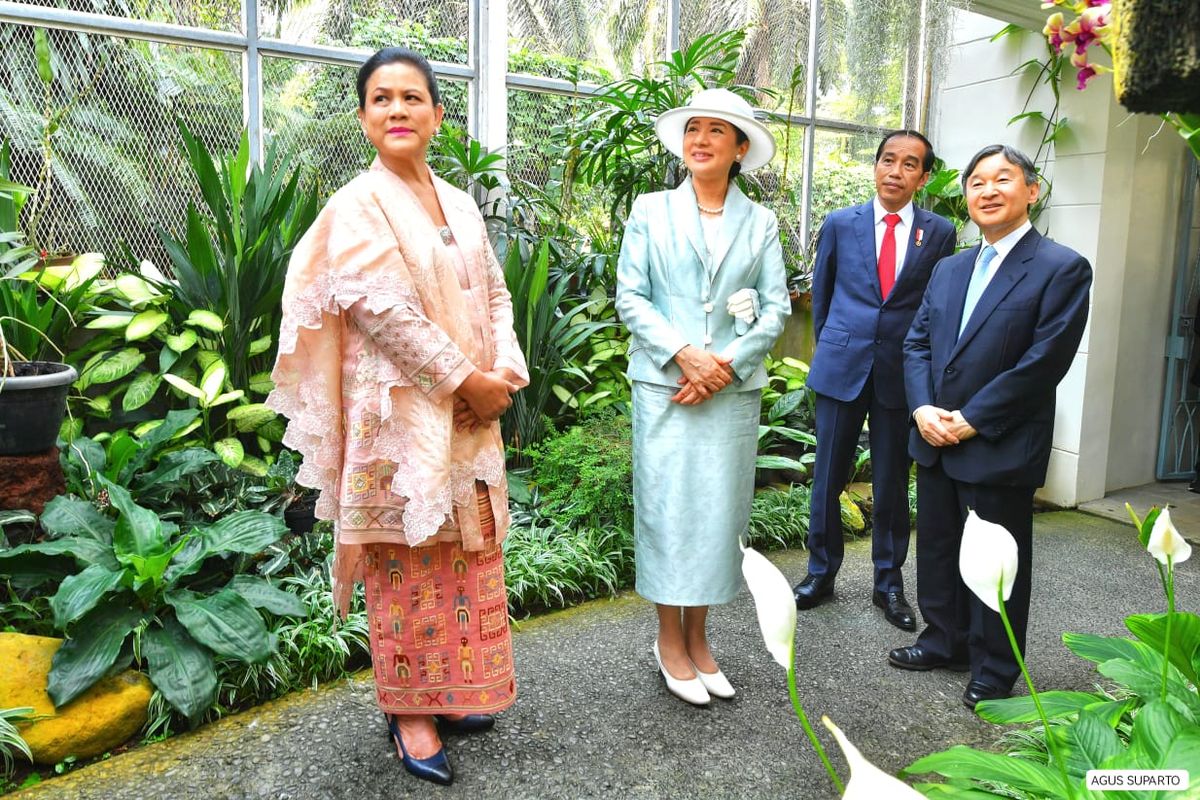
pixel 1011 154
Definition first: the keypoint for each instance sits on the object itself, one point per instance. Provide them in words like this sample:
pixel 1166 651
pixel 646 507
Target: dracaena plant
pixel 129 582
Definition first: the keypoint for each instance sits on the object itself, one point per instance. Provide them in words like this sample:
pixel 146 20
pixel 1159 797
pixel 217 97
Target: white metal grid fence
pixel 289 77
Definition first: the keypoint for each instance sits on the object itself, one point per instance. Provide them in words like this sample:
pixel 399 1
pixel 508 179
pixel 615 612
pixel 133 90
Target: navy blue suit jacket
pixel 857 331
pixel 1003 371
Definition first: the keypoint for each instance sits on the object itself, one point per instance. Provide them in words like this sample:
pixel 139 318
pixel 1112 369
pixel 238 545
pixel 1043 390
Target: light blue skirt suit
pixel 693 466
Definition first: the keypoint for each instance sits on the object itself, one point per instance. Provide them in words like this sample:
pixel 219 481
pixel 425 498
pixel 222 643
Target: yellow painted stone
pixel 97 721
pixel 852 517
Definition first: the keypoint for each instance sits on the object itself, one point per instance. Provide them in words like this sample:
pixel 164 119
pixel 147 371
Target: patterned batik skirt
pixel 440 641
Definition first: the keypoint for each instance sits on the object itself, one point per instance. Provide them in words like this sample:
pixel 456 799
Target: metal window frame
pixel 486 70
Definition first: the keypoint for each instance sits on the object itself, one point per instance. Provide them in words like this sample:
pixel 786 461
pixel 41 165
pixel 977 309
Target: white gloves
pixel 743 306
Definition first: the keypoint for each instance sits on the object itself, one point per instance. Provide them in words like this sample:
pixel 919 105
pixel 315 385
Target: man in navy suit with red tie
pixel 997 330
pixel 870 271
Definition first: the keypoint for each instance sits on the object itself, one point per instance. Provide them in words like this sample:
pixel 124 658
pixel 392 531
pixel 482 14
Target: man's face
pixel 998 198
pixel 899 172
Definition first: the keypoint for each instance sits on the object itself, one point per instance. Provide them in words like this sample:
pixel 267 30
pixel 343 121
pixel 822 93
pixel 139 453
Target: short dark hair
pixel 926 164
pixel 394 55
pixel 1011 154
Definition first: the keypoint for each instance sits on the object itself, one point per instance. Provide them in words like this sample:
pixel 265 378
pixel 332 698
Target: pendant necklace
pixel 446 234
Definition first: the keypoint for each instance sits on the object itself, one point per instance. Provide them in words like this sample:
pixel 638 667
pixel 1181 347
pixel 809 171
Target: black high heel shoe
pixel 435 769
pixel 471 723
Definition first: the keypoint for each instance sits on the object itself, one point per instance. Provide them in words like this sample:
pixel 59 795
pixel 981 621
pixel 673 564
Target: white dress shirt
pixel 903 232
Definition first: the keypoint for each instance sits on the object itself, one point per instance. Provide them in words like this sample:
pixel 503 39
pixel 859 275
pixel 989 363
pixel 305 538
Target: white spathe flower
pixel 774 602
pixel 867 781
pixel 1166 542
pixel 987 559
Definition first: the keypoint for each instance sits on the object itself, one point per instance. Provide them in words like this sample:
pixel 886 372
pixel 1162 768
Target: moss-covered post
pixel 1156 55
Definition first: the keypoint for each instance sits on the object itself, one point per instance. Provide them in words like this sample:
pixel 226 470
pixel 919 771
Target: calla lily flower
pixel 774 602
pixel 1165 541
pixel 987 559
pixel 867 781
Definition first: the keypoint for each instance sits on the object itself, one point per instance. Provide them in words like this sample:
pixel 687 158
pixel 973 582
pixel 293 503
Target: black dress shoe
pixel 978 690
pixel 812 590
pixel 896 609
pixel 471 723
pixel 435 769
pixel 915 657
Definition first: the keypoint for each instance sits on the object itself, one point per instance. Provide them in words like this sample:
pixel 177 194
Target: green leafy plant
pixel 41 308
pixel 207 339
pixel 551 328
pixel 139 585
pixel 779 517
pixel 16 255
pixel 616 144
pixel 1152 722
pixel 11 743
pixel 585 474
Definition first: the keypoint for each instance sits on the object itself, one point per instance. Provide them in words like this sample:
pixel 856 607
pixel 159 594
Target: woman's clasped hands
pixel 704 374
pixel 483 397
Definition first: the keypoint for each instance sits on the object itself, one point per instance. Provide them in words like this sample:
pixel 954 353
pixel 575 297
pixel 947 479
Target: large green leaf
pixel 141 390
pixel 953 791
pixel 109 366
pixel 961 762
pixel 90 650
pixel 139 531
pixel 1143 677
pixel 144 324
pixel 84 550
pixel 230 450
pixel 1185 638
pixel 1154 727
pixel 1099 649
pixel 1088 742
pixel 173 466
pixel 1184 753
pixel 243 532
pixel 78 594
pixel 224 623
pixel 261 593
pixel 1022 709
pixel 67 515
pixel 250 417
pixel 181 668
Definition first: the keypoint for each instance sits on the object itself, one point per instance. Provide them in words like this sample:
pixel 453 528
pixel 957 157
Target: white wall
pixel 1115 200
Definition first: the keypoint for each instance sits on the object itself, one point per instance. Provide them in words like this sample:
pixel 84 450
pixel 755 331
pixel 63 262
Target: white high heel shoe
pixel 690 690
pixel 715 683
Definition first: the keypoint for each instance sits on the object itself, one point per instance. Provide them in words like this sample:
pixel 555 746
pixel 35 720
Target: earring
pixel 436 131
pixel 739 157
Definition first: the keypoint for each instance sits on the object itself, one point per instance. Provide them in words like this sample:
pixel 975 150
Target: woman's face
pixel 399 116
pixel 710 147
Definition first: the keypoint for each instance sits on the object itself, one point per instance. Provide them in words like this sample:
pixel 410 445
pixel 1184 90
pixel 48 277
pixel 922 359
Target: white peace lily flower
pixel 987 559
pixel 1165 541
pixel 867 781
pixel 774 602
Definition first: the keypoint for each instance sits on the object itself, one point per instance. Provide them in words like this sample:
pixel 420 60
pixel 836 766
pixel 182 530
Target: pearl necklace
pixel 710 210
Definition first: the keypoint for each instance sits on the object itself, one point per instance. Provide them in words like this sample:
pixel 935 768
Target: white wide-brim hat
pixel 720 104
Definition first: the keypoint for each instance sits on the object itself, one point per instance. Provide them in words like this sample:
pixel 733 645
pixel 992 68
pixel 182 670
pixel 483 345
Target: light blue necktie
pixel 976 286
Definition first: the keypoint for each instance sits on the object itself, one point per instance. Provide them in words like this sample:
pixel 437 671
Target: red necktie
pixel 887 256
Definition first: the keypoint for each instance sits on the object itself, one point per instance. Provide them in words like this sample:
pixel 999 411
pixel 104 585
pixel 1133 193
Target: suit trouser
pixel 839 425
pixel 957 623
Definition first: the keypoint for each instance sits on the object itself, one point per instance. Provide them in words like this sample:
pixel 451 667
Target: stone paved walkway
pixel 594 720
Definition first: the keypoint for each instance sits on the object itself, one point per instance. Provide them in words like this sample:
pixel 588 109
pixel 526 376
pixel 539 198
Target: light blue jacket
pixel 665 297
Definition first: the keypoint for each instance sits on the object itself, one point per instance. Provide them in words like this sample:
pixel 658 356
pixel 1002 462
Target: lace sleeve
pixel 418 347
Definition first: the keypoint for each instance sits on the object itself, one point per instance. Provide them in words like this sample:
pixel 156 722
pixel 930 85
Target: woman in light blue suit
pixel 701 286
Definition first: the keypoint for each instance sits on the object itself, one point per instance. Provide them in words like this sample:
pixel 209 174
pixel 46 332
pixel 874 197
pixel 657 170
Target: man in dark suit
pixel 997 330
pixel 871 267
